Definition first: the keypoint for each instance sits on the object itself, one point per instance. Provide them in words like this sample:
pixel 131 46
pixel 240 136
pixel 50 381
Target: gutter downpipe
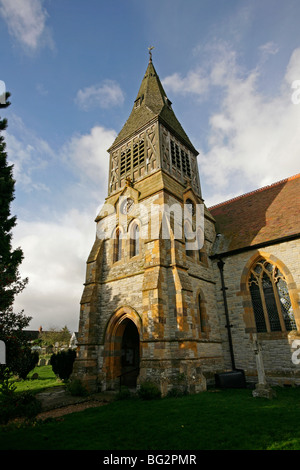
pixel 228 325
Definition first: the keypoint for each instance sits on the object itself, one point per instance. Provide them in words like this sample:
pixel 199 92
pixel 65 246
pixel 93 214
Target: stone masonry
pixel 152 309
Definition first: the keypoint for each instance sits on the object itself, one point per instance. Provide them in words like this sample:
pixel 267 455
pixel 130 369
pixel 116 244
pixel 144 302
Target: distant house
pixel 32 335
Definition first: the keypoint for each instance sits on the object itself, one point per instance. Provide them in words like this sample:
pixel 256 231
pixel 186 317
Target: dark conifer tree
pixel 11 284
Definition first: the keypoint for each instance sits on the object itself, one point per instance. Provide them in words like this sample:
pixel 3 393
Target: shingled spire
pixel 152 103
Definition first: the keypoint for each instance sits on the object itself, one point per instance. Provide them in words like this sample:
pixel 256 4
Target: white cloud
pixel 87 156
pixel 253 139
pixel 55 254
pixel 104 95
pixel 193 83
pixel 269 48
pixel 26 21
pixel 28 153
pixel 56 248
pixel 293 68
pixel 81 163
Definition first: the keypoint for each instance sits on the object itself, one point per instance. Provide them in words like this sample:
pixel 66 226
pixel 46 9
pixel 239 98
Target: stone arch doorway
pixel 130 355
pixel 121 360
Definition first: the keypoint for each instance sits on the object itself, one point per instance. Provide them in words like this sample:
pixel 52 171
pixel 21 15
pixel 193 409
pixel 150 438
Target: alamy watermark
pixel 154 222
pixel 296 95
pixel 296 354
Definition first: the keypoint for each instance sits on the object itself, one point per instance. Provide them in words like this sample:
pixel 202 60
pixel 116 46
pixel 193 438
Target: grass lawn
pixel 212 420
pixel 46 378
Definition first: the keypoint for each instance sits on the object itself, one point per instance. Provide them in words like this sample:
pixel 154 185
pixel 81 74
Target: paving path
pixel 57 401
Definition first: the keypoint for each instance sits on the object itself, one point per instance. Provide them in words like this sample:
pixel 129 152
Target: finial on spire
pixel 150 53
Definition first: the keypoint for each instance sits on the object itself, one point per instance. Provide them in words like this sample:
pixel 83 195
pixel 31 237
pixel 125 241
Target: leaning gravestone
pixel 262 388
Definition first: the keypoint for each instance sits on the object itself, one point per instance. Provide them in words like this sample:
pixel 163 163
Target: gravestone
pixel 262 389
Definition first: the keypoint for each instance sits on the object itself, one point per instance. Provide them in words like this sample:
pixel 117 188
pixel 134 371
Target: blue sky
pixel 74 69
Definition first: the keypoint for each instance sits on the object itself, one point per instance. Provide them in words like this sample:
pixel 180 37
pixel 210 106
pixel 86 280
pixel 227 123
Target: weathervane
pixel 150 53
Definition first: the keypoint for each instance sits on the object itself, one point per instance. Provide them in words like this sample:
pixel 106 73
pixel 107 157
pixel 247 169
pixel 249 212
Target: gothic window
pixel 270 298
pixel 202 256
pixel 117 253
pixel 202 313
pixel 135 240
pixel 190 206
pixel 188 236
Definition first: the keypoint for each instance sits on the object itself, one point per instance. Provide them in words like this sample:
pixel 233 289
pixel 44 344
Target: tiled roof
pixel 153 102
pixel 261 216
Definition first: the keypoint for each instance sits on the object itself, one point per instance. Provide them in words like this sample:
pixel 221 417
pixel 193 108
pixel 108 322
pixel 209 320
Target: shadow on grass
pixel 227 420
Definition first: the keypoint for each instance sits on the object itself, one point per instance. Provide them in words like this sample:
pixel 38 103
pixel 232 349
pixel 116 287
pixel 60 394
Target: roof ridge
pixel 285 180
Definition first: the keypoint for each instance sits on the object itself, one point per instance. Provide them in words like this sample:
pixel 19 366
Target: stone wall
pixel 276 346
pixel 158 290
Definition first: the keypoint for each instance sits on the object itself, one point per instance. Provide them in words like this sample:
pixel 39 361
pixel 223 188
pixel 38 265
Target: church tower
pixel 148 308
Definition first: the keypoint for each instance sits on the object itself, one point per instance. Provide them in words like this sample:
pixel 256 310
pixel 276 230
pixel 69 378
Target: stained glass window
pixel 270 298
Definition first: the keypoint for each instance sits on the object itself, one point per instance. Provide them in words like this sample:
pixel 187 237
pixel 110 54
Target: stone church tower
pixel 148 309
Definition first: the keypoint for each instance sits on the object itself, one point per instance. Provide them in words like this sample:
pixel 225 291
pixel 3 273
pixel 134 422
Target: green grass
pixel 227 419
pixel 46 379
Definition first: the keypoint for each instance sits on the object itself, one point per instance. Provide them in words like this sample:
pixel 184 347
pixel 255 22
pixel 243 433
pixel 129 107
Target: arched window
pixel 117 246
pixel 190 206
pixel 189 239
pixel 270 298
pixel 135 240
pixel 202 257
pixel 201 312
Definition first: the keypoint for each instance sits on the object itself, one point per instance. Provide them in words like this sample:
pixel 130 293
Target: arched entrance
pixel 122 349
pixel 130 355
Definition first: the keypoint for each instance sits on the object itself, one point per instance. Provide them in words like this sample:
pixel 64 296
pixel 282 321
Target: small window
pixel 117 254
pixel 270 298
pixel 135 240
pixel 201 312
pixel 138 101
pixel 190 206
pixel 189 237
pixel 202 258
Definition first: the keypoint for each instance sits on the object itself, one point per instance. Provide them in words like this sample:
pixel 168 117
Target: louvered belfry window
pixel 132 159
pixel 125 166
pixel 180 159
pixel 138 153
pixel 270 298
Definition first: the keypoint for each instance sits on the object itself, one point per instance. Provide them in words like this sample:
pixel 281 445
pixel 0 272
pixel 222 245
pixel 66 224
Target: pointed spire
pixel 151 102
